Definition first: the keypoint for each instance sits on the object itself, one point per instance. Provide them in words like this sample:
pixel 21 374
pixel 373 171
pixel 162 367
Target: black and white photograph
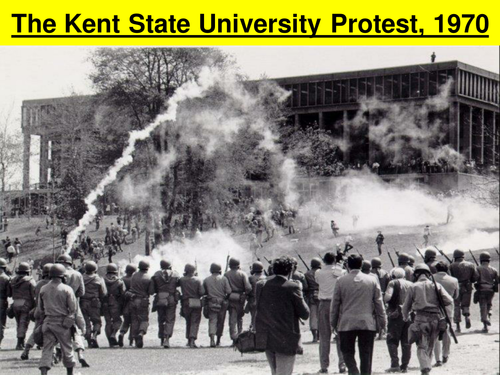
pixel 249 210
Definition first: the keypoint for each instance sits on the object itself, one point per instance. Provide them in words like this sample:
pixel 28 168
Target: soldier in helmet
pixel 403 260
pixel 430 259
pixel 166 282
pixel 74 279
pixel 91 303
pixel 217 290
pixel 256 274
pixel 411 261
pixel 127 317
pixel 312 298
pixel 299 276
pixel 422 298
pixel 397 327
pixel 240 288
pixel 23 293
pixel 43 281
pixel 113 303
pixel 486 286
pixel 382 275
pixel 192 292
pixel 4 294
pixel 466 274
pixel 141 287
pixel 57 306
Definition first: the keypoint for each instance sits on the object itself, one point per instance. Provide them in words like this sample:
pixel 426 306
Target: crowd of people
pixel 341 294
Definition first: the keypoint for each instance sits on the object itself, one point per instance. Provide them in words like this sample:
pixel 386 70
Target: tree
pixel 10 151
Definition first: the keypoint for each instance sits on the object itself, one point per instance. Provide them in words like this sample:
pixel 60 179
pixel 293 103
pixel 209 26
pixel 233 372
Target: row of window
pixel 478 87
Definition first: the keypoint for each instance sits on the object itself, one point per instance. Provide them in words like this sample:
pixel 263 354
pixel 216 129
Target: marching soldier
pixel 422 298
pixel 57 306
pixel 240 288
pixel 382 275
pixel 113 303
pixel 430 259
pixel 311 297
pixel 397 327
pixel 411 261
pixel 403 260
pixel 486 286
pixel 217 290
pixel 4 294
pixel 299 276
pixel 74 279
pixel 23 293
pixel 466 274
pixel 91 303
pixel 256 274
pixel 127 317
pixel 166 282
pixel 141 287
pixel 192 292
pixel 43 281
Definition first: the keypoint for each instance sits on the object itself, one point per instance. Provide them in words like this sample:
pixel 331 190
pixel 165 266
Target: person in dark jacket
pixel 280 305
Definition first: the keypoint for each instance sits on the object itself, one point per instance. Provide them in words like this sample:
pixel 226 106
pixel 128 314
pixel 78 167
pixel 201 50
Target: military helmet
pixel 484 257
pixel 403 258
pixel 189 268
pixel 65 259
pixel 90 266
pixel 144 265
pixel 411 259
pixel 23 268
pixel 215 268
pixel 57 270
pixel 257 267
pixel 130 269
pixel 233 262
pixel 46 269
pixel 3 263
pixel 458 254
pixel 112 268
pixel 165 264
pixel 421 268
pixel 315 263
pixel 376 263
pixel 366 266
pixel 430 253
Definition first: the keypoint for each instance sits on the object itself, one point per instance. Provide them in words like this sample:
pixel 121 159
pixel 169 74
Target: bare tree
pixel 10 150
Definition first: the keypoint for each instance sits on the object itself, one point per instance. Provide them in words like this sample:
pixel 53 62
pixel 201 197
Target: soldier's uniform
pixel 113 302
pixel 423 300
pixel 4 294
pixel 312 297
pixel 430 259
pixel 23 293
pixel 58 306
pixel 217 290
pixel 397 327
pixel 127 317
pixel 256 275
pixel 486 286
pixel 141 287
pixel 240 288
pixel 91 303
pixel 192 291
pixel 382 275
pixel 403 260
pixel 166 282
pixel 466 274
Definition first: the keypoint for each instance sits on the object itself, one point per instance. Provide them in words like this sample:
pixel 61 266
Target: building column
pixel 482 135
pixel 321 120
pixel 454 126
pixel 296 120
pixel 26 158
pixel 44 159
pixel 470 132
pixel 371 146
pixel 493 136
pixel 347 138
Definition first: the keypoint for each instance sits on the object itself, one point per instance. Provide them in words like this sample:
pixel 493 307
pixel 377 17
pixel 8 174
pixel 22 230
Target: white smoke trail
pixel 189 90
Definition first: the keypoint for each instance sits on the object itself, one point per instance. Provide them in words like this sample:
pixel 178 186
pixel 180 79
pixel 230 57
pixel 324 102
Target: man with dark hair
pixel 422 298
pixel 450 284
pixel 327 278
pixel 280 305
pixel 357 310
pixel 312 296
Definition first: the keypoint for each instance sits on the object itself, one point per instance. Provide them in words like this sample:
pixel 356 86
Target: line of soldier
pixel 455 281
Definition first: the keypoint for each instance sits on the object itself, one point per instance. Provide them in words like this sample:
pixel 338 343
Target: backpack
pixel 246 343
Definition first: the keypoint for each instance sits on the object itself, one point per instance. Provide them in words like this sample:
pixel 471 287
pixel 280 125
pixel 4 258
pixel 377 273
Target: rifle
pixel 419 253
pixel 390 258
pixel 129 257
pixel 443 254
pixel 397 252
pixel 497 251
pixel 443 309
pixel 227 263
pixel 267 260
pixel 473 257
pixel 195 267
pixel 302 259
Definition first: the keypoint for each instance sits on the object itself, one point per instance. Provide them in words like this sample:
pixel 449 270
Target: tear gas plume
pixel 189 90
pixel 474 240
pixel 204 249
pixel 287 184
